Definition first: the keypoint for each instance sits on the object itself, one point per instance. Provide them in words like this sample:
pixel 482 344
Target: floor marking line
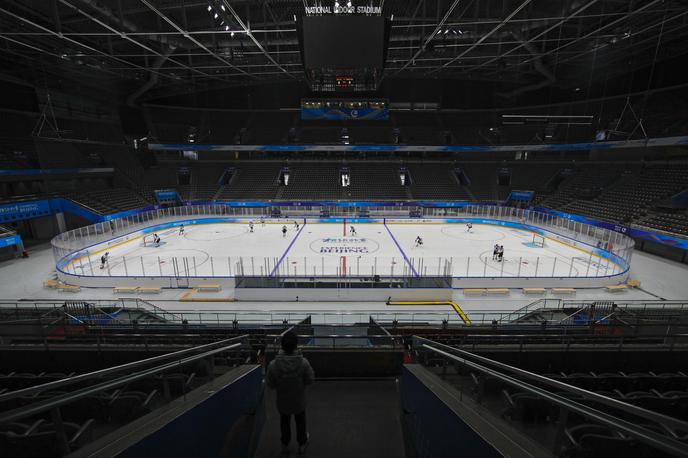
pixel 401 251
pixel 284 255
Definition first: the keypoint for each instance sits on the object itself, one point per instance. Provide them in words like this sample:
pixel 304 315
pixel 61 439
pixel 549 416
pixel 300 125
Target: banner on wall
pixel 81 171
pixel 337 203
pixel 344 113
pixel 651 142
pixel 25 210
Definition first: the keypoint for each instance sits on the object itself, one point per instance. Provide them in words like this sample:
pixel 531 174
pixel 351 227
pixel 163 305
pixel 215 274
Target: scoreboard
pixel 343 53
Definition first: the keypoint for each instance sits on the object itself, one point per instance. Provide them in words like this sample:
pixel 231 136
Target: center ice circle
pixel 344 246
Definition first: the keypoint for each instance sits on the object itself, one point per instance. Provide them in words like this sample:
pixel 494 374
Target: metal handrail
pixel 629 408
pixel 68 398
pixel 110 370
pixel 372 320
pixel 156 310
pixel 570 315
pixel 337 336
pixel 210 317
pixel 645 435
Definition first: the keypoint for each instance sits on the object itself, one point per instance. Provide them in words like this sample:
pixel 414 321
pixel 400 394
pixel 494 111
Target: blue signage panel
pixel 10 240
pixel 525 196
pixel 343 113
pixel 167 195
pixel 7 172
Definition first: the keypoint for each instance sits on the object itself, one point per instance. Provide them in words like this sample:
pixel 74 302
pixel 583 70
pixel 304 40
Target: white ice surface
pixel 318 249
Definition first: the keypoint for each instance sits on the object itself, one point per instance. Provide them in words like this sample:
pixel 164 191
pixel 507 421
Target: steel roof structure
pixel 183 45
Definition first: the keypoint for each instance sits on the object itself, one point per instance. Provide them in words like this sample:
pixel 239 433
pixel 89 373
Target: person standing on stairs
pixel 289 374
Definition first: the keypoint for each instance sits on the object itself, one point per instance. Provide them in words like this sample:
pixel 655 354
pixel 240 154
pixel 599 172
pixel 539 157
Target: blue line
pixel 288 248
pixel 401 251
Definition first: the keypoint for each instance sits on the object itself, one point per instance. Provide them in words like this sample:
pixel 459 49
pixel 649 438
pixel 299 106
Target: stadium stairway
pixel 345 418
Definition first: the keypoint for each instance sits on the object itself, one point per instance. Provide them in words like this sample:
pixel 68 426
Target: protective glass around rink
pixel 218 241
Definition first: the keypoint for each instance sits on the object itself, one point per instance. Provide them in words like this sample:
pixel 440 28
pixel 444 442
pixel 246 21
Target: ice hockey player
pixel 181 230
pixel 250 226
pixel 500 253
pixel 156 239
pixel 104 259
pixel 296 225
pixel 469 227
pixel 284 231
pixel 495 251
pixel 419 241
pixel 352 231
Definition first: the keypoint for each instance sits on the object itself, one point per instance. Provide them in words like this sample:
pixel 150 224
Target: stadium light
pixel 210 8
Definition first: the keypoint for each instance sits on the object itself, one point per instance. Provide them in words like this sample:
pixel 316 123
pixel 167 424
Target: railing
pixel 564 340
pixel 154 310
pixel 345 341
pixel 220 318
pixel 162 363
pixel 77 252
pixel 546 305
pixel 113 370
pixel 531 383
pixel 227 317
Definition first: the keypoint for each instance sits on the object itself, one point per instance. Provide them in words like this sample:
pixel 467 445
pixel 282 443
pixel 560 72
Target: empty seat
pixel 529 407
pixel 591 440
pixel 129 405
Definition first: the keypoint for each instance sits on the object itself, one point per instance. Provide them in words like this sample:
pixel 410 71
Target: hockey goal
pixel 538 241
pixel 148 240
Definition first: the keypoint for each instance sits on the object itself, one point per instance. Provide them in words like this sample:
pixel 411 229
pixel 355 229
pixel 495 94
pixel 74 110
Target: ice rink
pixel 331 249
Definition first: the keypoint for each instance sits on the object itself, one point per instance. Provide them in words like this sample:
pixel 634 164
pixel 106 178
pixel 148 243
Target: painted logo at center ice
pixel 344 245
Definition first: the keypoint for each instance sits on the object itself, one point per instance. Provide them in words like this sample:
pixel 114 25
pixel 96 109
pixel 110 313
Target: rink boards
pixel 309 253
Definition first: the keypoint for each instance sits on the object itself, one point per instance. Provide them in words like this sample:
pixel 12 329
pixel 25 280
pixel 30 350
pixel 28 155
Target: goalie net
pixel 148 240
pixel 538 241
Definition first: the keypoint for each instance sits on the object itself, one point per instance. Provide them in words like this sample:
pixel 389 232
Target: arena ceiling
pixel 149 47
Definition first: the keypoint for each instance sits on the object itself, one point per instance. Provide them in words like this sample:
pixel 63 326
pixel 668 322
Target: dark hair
pixel 289 342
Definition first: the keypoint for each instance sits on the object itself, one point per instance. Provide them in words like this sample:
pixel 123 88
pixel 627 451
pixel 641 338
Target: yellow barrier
pixel 453 304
